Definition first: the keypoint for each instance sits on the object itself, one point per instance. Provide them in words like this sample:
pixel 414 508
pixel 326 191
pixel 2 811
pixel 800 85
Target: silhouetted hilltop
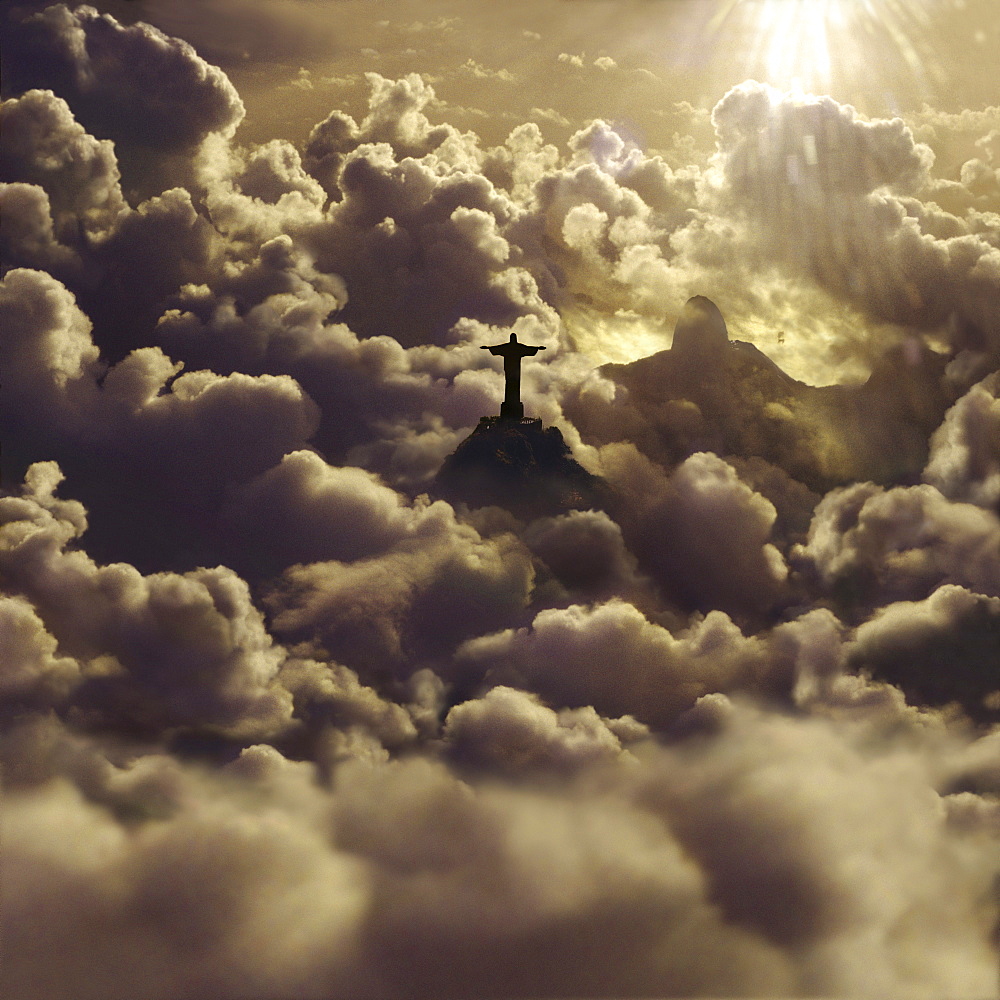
pixel 707 392
pixel 521 466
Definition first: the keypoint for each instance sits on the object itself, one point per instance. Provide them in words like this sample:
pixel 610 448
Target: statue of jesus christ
pixel 512 352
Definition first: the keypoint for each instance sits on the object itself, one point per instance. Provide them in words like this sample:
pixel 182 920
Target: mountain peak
pixel 700 333
pixel 519 465
pixel 709 393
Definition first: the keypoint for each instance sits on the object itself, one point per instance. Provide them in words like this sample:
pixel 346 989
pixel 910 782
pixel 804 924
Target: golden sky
pixel 321 679
pixel 883 56
pixel 653 69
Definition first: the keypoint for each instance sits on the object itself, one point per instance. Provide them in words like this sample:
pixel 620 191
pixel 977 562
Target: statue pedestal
pixel 511 411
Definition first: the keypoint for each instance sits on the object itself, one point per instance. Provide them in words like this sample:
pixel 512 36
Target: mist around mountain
pixel 313 685
pixel 709 393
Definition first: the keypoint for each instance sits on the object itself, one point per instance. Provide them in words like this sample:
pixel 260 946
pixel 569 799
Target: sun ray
pixel 812 44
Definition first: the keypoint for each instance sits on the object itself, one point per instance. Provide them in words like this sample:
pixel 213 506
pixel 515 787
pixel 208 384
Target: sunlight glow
pixel 810 43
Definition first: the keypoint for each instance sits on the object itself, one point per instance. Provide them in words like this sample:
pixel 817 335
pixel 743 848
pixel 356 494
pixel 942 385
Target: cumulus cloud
pixel 387 615
pixel 34 668
pixel 826 791
pixel 303 510
pixel 587 555
pixel 964 461
pixel 278 722
pixel 435 224
pixel 613 658
pixel 868 544
pixel 112 76
pixel 164 650
pixel 137 419
pixel 708 539
pixel 65 212
pixel 44 145
pixel 701 532
pixel 831 885
pixel 838 197
pixel 939 650
pixel 29 236
pixel 51 361
pixel 510 731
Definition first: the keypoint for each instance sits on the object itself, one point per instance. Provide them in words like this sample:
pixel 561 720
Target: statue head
pixel 513 338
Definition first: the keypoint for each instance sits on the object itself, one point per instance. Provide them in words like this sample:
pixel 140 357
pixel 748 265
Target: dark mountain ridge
pixel 709 393
pixel 521 466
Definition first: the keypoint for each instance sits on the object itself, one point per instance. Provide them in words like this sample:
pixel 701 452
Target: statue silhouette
pixel 512 352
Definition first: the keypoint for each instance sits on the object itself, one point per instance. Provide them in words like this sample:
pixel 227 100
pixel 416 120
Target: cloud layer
pixel 279 721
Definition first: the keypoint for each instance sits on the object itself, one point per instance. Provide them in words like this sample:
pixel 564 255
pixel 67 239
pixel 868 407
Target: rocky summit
pixel 710 393
pixel 521 466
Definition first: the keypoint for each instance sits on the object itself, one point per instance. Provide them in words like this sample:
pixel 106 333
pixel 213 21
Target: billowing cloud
pixel 163 650
pixel 708 538
pixel 939 651
pixel 277 720
pixel 611 657
pixel 303 510
pixel 138 419
pixel 439 584
pixel 838 197
pixel 587 555
pixel 112 76
pixel 768 877
pixel 875 545
pixel 510 731
pixel 964 462
pixel 44 145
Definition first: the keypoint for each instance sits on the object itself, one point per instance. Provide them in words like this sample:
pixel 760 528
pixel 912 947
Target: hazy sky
pixel 278 721
pixel 653 70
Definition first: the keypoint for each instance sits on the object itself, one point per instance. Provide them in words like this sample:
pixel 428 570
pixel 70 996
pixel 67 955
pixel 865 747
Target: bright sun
pixel 813 43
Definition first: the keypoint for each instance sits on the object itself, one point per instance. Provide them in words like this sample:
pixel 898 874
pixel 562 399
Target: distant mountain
pixel 709 393
pixel 521 466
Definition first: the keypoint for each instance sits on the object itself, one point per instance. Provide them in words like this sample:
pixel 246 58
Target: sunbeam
pixel 815 44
